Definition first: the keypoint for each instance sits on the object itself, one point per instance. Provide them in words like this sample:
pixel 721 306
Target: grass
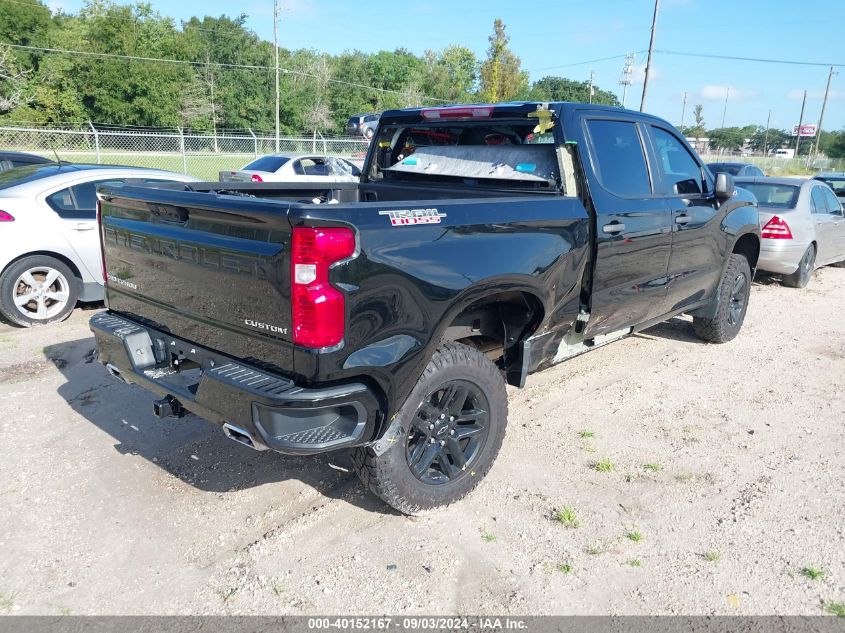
pixel 488 536
pixel 565 568
pixel 227 594
pixel 634 536
pixel 277 587
pixel 812 573
pixel 655 468
pixel 635 562
pixel 7 601
pixel 585 434
pixel 566 516
pixel 603 465
pixel 595 550
pixel 835 608
pixel 712 556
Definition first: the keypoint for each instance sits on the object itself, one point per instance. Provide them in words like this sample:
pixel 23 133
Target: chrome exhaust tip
pixel 240 436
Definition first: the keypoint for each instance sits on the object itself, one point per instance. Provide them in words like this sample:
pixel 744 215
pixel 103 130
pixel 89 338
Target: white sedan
pixel 295 168
pixel 49 242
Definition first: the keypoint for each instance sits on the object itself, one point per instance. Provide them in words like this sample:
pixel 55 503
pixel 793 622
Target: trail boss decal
pixel 404 217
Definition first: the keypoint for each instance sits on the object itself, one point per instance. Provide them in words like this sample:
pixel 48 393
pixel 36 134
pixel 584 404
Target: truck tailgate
pixel 217 275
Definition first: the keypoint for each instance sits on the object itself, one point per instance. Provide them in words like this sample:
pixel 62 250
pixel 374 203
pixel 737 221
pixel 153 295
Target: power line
pixel 749 59
pixel 185 62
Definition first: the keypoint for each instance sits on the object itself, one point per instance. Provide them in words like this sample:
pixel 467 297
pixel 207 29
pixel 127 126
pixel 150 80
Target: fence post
pixel 182 148
pixel 254 141
pixel 96 140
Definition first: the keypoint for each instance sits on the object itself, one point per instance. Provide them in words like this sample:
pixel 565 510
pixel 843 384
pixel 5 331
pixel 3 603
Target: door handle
pixel 682 219
pixel 613 228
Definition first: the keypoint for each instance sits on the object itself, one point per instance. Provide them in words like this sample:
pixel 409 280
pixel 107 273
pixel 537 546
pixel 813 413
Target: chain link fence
pixel 195 153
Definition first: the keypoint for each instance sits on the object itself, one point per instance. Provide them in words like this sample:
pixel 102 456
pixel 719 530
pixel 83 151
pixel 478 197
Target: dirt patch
pixel 657 475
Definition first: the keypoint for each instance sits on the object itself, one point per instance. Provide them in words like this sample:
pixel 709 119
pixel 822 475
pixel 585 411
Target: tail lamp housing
pixel 776 229
pixel 318 310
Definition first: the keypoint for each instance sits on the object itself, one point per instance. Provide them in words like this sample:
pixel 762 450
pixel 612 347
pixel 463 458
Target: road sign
pixel 808 129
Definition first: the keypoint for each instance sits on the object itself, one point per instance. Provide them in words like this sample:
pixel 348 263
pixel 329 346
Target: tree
pixel 698 129
pixel 562 89
pixel 13 80
pixel 501 76
pixel 764 142
pixel 729 138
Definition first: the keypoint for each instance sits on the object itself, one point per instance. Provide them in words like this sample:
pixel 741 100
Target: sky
pixel 556 37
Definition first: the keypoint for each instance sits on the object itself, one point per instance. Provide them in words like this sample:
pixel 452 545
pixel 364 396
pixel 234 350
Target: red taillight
pixel 463 112
pixel 256 178
pixel 317 307
pixel 5 217
pixel 777 229
pixel 102 241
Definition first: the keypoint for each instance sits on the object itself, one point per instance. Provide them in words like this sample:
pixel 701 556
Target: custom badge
pixel 406 217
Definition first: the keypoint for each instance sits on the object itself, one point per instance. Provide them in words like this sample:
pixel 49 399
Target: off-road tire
pixel 726 324
pixel 9 289
pixel 801 277
pixel 389 475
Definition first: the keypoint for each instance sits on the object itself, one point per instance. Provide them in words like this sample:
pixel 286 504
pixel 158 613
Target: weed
pixel 7 601
pixel 711 556
pixel 835 608
pixel 585 434
pixel 634 536
pixel 595 550
pixel 589 448
pixel 277 587
pixel 227 594
pixel 812 573
pixel 565 568
pixel 603 465
pixel 635 562
pixel 566 516
pixel 488 536
pixel 655 468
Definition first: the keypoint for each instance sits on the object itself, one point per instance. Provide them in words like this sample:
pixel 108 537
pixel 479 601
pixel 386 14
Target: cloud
pixel 638 77
pixel 797 95
pixel 717 92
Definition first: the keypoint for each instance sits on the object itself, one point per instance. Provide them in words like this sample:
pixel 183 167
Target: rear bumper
pixel 780 256
pixel 269 408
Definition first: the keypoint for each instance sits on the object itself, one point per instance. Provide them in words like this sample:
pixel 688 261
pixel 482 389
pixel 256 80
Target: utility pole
pixel 824 105
pixel 625 79
pixel 592 78
pixel 276 52
pixel 766 135
pixel 684 110
pixel 800 123
pixel 725 109
pixel 650 53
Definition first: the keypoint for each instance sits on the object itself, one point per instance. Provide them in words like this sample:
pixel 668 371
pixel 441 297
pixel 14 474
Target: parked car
pixel 294 168
pixel 390 321
pixel 737 170
pixel 362 125
pixel 835 181
pixel 49 246
pixel 10 160
pixel 803 227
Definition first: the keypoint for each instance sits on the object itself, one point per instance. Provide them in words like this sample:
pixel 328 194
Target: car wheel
pixel 37 290
pixel 733 292
pixel 368 133
pixel 450 430
pixel 839 264
pixel 801 277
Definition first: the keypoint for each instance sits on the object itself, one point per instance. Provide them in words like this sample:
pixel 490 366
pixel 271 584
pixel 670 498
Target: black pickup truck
pixel 483 243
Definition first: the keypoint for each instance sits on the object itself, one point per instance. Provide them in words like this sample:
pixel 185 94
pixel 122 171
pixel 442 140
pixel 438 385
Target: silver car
pixel 294 168
pixel 49 243
pixel 803 227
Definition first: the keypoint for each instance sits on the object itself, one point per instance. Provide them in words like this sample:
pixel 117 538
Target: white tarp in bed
pixel 505 162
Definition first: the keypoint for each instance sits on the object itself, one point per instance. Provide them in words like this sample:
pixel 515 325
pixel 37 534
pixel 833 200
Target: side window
pixel 78 202
pixel 297 168
pixel 817 201
pixel 680 170
pixel 831 202
pixel 618 158
pixel 758 173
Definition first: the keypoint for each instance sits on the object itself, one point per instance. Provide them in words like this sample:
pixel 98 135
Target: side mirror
pixel 725 186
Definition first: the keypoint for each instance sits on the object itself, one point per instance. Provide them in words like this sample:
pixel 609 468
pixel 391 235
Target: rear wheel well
pixel 495 325
pixel 748 246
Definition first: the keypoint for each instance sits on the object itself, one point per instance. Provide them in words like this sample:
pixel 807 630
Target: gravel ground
pixel 691 479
